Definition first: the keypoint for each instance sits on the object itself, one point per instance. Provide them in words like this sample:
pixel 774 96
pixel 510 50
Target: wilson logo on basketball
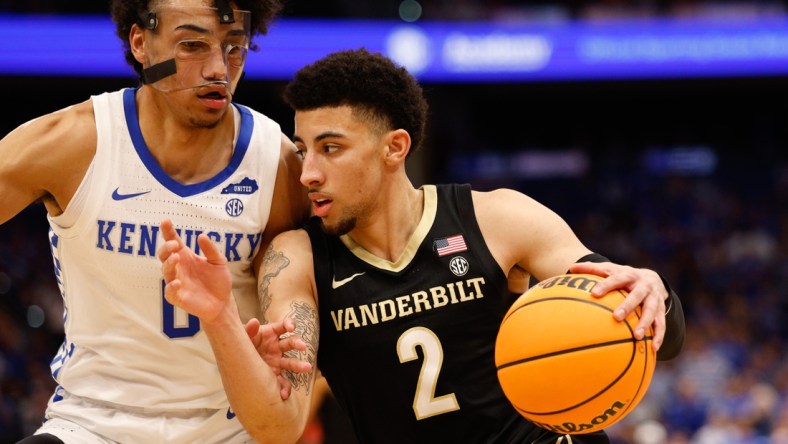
pixel 595 423
pixel 578 282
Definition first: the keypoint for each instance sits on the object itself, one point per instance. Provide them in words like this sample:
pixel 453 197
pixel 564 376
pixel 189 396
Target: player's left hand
pixel 644 288
pixel 277 344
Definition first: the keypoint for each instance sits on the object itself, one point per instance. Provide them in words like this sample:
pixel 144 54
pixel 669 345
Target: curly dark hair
pixel 370 83
pixel 126 13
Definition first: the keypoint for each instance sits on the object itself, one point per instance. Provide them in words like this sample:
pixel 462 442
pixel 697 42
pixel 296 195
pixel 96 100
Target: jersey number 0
pixel 168 323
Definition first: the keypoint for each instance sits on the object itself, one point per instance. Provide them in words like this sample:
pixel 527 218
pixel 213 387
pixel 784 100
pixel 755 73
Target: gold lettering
pixel 369 314
pixel 402 306
pixel 337 317
pixel 464 297
pixel 387 306
pixel 350 318
pixel 439 298
pixel 406 305
pixel 477 284
pixel 450 286
pixel 421 298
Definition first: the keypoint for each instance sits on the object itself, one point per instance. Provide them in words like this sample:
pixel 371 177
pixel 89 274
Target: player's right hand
pixel 201 285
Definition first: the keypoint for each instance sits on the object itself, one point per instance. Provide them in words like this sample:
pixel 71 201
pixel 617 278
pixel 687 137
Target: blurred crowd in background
pixel 720 236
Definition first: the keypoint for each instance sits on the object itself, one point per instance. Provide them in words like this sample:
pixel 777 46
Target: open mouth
pixel 213 90
pixel 213 95
pixel 320 204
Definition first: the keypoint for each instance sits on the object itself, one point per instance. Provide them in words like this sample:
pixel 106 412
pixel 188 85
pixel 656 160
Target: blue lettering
pixel 126 230
pixel 212 235
pixel 103 235
pixel 189 238
pixel 148 236
pixel 254 240
pixel 142 240
pixel 231 246
pixel 234 207
pixel 168 320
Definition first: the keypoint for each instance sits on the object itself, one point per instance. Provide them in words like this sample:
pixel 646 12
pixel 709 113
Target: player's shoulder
pixel 294 245
pixel 69 131
pixel 258 117
pixel 287 147
pixel 75 118
pixel 290 163
pixel 511 208
pixel 78 124
pixel 501 197
pixel 297 237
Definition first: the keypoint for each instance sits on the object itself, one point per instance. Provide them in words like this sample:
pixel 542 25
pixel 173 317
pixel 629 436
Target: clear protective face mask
pixel 193 47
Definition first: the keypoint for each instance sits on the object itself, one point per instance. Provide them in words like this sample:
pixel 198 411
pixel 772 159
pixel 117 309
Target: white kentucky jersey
pixel 124 343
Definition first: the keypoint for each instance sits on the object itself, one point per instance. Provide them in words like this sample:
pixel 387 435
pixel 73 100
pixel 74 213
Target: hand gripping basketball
pixel 565 363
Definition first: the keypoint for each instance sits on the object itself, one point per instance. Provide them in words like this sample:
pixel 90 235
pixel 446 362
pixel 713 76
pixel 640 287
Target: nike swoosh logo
pixel 336 284
pixel 118 196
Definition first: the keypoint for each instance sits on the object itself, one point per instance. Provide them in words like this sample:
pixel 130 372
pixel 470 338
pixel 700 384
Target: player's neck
pixel 186 152
pixel 390 228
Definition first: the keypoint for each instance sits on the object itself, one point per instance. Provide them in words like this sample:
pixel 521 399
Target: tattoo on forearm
pixel 308 327
pixel 273 262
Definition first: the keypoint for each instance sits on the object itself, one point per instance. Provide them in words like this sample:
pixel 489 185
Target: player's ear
pixel 398 145
pixel 137 42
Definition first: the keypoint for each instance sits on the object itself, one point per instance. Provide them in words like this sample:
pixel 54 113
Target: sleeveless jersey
pixel 408 347
pixel 124 343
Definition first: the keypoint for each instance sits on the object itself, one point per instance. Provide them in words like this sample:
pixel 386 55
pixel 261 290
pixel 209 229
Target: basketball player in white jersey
pixel 133 368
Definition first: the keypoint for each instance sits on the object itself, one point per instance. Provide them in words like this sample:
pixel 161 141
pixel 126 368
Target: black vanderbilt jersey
pixel 408 347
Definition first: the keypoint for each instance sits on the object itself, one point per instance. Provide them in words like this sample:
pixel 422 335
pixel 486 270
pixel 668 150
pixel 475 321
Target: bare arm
pixel 540 242
pixel 202 286
pixel 287 290
pixel 290 207
pixel 522 233
pixel 46 159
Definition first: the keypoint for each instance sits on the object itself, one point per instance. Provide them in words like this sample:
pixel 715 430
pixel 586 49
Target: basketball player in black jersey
pixel 396 292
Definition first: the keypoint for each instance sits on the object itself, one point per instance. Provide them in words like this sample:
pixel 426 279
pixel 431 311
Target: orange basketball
pixel 565 363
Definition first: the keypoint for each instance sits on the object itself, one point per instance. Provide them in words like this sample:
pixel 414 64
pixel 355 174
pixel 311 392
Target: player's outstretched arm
pixel 202 286
pixel 539 241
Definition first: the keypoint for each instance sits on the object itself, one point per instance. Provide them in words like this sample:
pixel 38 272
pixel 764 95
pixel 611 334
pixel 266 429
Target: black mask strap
pixel 225 12
pixel 148 20
pixel 158 71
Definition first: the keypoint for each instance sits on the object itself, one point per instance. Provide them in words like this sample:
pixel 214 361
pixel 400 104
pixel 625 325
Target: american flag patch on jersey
pixel 449 245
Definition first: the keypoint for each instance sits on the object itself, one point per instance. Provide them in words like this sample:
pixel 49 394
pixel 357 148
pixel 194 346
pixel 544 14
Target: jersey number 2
pixel 425 403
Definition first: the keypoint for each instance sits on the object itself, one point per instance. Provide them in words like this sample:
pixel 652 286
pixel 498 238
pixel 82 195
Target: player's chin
pixel 337 228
